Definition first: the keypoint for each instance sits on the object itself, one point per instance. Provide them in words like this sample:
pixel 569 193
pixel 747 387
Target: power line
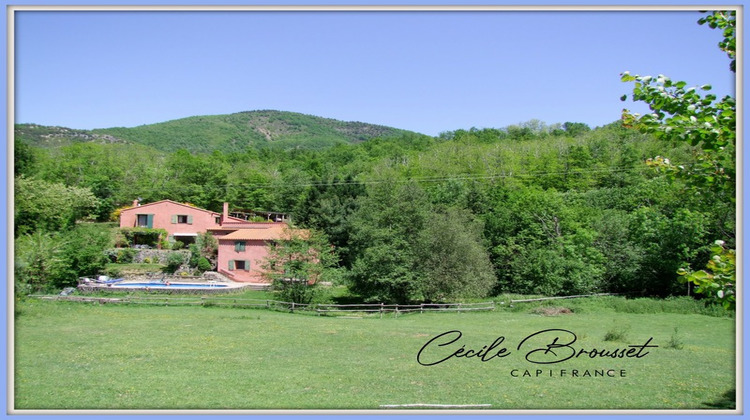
pixel 422 179
pixel 459 177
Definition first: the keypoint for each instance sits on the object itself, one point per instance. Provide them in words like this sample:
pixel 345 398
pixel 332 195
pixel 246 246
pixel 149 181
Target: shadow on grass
pixel 347 299
pixel 728 401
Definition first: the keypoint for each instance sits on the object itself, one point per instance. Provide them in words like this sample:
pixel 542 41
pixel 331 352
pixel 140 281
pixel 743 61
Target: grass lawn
pixel 90 356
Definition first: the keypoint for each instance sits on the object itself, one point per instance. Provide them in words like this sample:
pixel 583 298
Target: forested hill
pixel 524 209
pixel 225 133
pixel 633 207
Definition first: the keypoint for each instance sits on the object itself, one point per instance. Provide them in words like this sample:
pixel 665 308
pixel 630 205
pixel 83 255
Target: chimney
pixel 136 203
pixel 225 214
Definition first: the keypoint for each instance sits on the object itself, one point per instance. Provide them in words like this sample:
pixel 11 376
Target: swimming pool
pixel 170 286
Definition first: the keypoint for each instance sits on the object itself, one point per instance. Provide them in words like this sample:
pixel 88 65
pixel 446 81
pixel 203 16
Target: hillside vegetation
pixel 531 208
pixel 634 207
pixel 226 133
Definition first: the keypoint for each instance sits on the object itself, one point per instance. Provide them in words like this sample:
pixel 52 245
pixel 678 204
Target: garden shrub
pixel 111 255
pixel 174 261
pixel 126 255
pixel 204 264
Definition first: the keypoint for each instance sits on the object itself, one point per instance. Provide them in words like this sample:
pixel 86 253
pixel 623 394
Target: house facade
pixel 242 244
pixel 181 221
pixel 242 249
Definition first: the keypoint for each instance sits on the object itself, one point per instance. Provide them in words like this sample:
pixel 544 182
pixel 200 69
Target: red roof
pixel 213 213
pixel 278 231
pixel 172 202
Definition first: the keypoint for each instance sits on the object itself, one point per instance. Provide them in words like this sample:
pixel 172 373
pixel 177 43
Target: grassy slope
pixel 82 356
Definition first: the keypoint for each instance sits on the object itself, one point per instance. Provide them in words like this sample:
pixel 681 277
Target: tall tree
pixel 24 159
pixel 45 206
pixel 385 235
pixel 297 262
pixel 329 207
pixel 453 259
pixel 37 262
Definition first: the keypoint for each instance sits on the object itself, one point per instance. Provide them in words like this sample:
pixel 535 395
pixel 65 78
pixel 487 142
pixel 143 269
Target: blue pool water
pixel 171 285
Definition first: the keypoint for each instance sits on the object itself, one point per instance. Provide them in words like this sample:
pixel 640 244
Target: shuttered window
pixel 239 246
pixel 182 219
pixel 145 220
pixel 239 265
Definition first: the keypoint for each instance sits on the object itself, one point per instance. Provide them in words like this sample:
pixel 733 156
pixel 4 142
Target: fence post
pixel 421 307
pixel 292 306
pixel 381 310
pixel 459 307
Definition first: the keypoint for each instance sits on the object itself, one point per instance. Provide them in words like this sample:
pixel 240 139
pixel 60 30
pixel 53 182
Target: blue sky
pixel 423 71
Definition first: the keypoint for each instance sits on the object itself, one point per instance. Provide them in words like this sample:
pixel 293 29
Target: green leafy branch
pixel 719 282
pixel 681 113
pixel 725 20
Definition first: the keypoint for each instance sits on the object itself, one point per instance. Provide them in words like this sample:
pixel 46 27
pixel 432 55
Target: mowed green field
pixel 90 356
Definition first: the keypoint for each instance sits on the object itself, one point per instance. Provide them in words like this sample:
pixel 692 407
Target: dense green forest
pixel 532 208
pixel 527 209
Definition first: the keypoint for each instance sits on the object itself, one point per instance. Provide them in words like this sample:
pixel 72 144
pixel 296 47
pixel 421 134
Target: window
pixel 239 265
pixel 239 246
pixel 145 220
pixel 184 219
pixel 218 220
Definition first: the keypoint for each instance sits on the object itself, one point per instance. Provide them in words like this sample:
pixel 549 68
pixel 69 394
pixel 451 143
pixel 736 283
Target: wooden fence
pixel 381 308
pixel 319 309
pixel 561 297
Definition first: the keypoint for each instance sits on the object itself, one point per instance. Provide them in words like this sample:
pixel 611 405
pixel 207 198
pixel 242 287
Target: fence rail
pixel 319 309
pixel 562 297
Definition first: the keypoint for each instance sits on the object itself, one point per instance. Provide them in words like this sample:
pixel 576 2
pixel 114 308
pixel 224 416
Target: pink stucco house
pixel 242 244
pixel 181 221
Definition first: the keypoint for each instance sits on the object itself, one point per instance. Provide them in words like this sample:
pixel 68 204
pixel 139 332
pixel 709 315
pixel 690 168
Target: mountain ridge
pixel 224 132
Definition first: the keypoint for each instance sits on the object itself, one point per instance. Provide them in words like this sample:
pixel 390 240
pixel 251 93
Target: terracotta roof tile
pixel 274 232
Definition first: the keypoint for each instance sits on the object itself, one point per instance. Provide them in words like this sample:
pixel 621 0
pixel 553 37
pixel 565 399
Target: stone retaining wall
pixel 156 256
pixel 87 288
